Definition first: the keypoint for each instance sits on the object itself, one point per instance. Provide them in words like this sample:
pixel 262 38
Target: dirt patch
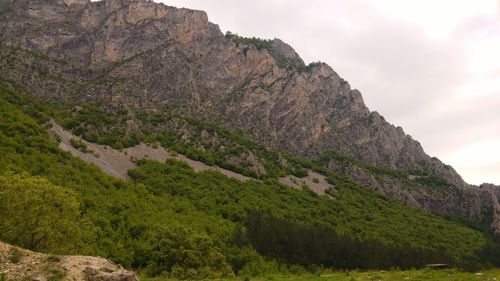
pixel 97 268
pixel 314 181
pixel 36 266
pixel 117 163
pixel 28 264
pixel 200 167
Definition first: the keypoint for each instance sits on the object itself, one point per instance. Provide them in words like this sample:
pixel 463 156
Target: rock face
pixel 479 204
pixel 304 111
pixel 139 54
pixel 37 266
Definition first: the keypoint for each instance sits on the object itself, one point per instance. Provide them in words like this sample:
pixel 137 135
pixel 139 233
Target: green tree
pixel 40 216
pixel 177 251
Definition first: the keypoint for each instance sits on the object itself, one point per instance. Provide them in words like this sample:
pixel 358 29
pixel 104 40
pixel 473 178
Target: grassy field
pixel 418 275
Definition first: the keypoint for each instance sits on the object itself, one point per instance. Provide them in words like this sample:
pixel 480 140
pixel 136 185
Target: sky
pixel 429 66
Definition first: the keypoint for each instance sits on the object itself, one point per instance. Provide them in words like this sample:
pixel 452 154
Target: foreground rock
pixel 20 264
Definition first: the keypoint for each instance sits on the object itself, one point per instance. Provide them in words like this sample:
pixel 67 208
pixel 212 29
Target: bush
pixel 300 172
pixel 57 275
pixel 177 252
pixel 53 258
pixel 15 255
pixel 38 215
pixel 80 145
pixel 265 44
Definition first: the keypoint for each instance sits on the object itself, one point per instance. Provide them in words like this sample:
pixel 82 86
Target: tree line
pixel 295 243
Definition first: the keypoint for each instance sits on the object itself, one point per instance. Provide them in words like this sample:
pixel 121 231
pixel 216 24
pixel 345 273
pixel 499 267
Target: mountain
pixel 175 56
pixel 167 219
pixel 125 77
pixel 139 56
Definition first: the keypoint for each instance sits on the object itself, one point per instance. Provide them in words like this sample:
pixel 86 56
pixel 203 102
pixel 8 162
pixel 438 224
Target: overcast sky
pixel 430 66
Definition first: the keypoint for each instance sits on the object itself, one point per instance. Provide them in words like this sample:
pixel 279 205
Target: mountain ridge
pixel 198 21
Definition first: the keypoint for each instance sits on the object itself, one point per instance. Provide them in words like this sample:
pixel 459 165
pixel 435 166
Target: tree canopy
pixel 39 215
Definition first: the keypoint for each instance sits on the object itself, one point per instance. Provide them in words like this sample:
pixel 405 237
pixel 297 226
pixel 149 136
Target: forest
pixel 171 221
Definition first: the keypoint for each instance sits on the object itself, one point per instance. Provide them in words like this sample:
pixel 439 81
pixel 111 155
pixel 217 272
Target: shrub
pixel 38 215
pixel 178 252
pixel 53 258
pixel 57 275
pixel 300 172
pixel 80 145
pixel 15 255
pixel 265 44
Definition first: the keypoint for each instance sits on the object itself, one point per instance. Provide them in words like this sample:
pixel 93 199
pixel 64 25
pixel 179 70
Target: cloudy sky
pixel 430 66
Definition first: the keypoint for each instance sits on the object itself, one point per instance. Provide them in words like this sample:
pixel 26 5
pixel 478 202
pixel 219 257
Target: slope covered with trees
pixel 132 71
pixel 211 225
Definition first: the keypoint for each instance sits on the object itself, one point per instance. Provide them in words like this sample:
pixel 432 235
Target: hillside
pixel 24 264
pixel 124 218
pixel 140 133
pixel 117 163
pixel 124 72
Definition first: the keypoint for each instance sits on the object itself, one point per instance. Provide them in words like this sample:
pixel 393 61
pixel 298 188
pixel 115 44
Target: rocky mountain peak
pixel 244 83
pixel 183 24
pixel 286 51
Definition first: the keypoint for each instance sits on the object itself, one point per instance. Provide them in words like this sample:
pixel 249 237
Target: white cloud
pixel 478 158
pixel 437 18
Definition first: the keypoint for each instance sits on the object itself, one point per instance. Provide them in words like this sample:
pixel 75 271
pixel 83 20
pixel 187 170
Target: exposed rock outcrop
pixel 117 163
pixel 286 51
pixel 478 204
pixel 30 265
pixel 178 57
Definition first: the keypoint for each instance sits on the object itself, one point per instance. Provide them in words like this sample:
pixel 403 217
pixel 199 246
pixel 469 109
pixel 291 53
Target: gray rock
pixel 91 271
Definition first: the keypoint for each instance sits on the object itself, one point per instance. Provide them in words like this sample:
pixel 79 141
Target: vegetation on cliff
pixel 209 220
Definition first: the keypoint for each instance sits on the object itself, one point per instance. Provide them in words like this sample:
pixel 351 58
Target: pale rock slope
pixel 41 267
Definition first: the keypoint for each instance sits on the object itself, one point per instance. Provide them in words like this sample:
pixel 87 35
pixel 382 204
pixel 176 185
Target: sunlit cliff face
pixel 432 67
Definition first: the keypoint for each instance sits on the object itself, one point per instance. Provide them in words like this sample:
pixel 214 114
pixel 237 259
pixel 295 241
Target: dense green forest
pixel 171 221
